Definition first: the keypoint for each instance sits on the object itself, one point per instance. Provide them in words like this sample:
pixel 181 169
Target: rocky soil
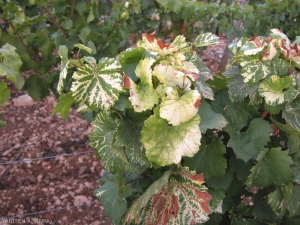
pixel 61 185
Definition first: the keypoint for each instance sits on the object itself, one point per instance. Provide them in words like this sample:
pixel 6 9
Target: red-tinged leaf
pixel 256 41
pixel 152 39
pixel 268 40
pixel 183 200
pixel 126 82
pixel 197 103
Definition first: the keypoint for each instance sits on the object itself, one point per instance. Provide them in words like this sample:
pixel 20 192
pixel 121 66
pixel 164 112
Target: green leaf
pixel 223 182
pixel 113 201
pixel 261 210
pixel 63 53
pixel 253 71
pixel 37 87
pixel 232 71
pixel 91 16
pixel 240 168
pixel 129 60
pixel 209 118
pixel 166 144
pixel 98 85
pixel 280 198
pixel 82 47
pixel 182 200
pixel 296 167
pixel 248 144
pixel 206 40
pixel 209 160
pixel 63 106
pixel 274 90
pixel 122 103
pixel 143 96
pixel 10 62
pixel 237 89
pixel 5 93
pixel 128 135
pixel 102 138
pixel 272 168
pixel 20 81
pixel 294 203
pixel 179 109
pixel 280 67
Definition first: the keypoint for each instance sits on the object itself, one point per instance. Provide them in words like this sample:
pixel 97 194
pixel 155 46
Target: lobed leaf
pixel 276 90
pixel 166 144
pixel 102 138
pixel 98 85
pixel 272 168
pixel 206 40
pixel 181 200
pixel 178 109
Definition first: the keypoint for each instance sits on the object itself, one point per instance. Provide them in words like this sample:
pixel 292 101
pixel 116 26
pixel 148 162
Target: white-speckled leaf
pixel 206 40
pixel 102 138
pixel 63 53
pixel 98 85
pixel 166 144
pixel 178 109
pixel 181 200
pixel 276 90
pixel 253 71
pixel 204 89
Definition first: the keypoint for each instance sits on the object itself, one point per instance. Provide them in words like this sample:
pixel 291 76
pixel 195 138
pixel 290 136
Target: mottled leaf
pixel 206 40
pixel 102 138
pixel 204 89
pixel 10 62
pixel 166 144
pixel 248 144
pixel 237 89
pixel 294 203
pixel 272 168
pixel 291 114
pixel 182 200
pixel 209 118
pixel 178 109
pixel 97 85
pixel 253 71
pixel 276 90
pixel 63 53
pixel 63 106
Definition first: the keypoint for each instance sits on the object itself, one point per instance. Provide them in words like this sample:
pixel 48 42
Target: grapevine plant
pixel 183 146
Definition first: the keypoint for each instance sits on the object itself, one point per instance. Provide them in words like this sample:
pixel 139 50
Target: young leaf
pixel 63 106
pixel 166 144
pixel 277 90
pixel 272 168
pixel 63 53
pixel 209 160
pixel 248 144
pixel 82 47
pixel 209 118
pixel 143 95
pixel 182 200
pixel 10 62
pixel 178 109
pixel 102 138
pixel 97 85
pixel 206 40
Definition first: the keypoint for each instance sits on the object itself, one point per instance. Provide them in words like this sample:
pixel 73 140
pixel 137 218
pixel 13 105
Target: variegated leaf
pixel 142 96
pixel 169 76
pixel 182 200
pixel 254 71
pixel 291 114
pixel 276 90
pixel 204 89
pixel 98 85
pixel 63 53
pixel 206 40
pixel 102 138
pixel 166 145
pixel 178 109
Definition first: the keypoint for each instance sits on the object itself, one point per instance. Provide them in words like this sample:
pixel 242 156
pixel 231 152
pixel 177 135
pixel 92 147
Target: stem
pixel 73 7
pixel 54 21
pixel 264 114
pixel 21 39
